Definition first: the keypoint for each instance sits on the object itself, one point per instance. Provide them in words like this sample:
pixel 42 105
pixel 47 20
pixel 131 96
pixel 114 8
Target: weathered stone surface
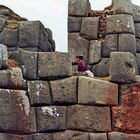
pixel 93 91
pixel 127 43
pixel 74 24
pixel 15 112
pixel 123 136
pixel 122 67
pixel 42 136
pixel 137 29
pixel 3 56
pixel 70 135
pixel 77 46
pixel 98 136
pixel 109 45
pixel 89 27
pixel 95 52
pixel 88 118
pixel 122 23
pixel 122 6
pixel 101 69
pixel 136 13
pixel 78 7
pixel 39 92
pixel 138 62
pixel 2 24
pixel 125 116
pixel 51 118
pixel 64 91
pixel 29 64
pixel 9 37
pixel 138 45
pixel 54 64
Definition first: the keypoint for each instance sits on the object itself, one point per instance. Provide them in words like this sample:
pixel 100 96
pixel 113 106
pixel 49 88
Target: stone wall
pixel 39 97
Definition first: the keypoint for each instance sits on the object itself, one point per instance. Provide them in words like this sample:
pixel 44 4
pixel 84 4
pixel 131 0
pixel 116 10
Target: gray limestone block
pixel 94 91
pixel 89 28
pixel 9 37
pixel 74 24
pixel 5 11
pixel 121 23
pixel 123 136
pixel 98 136
pixel 2 24
pixel 15 112
pixel 54 65
pixel 39 92
pixel 50 35
pixel 3 56
pixel 122 6
pixel 77 46
pixel 64 91
pixel 88 118
pixel 138 45
pixel 109 45
pixel 138 62
pixel 95 51
pixel 127 43
pixel 78 7
pixel 122 67
pixel 136 13
pixel 137 29
pixel 51 118
pixel 71 135
pixel 101 69
pixel 42 136
pixel 28 61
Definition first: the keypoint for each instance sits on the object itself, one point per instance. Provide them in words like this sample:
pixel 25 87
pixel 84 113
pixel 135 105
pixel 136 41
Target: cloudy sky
pixel 52 13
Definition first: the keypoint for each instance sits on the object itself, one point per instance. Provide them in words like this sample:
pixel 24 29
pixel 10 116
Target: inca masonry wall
pixel 39 97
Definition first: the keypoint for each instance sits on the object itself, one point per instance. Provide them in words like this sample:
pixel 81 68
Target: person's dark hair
pixel 80 57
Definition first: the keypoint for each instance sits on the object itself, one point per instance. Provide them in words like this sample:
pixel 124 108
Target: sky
pixel 52 13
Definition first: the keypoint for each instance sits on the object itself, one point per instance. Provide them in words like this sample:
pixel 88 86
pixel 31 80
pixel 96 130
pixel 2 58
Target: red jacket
pixel 82 66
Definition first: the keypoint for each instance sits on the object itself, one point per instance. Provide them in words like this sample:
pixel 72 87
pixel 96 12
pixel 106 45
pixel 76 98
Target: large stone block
pixel 74 24
pixel 9 37
pixel 88 118
pixel 95 51
pixel 98 136
pixel 123 136
pixel 2 24
pixel 122 6
pixel 137 29
pixel 39 92
pixel 15 112
pixel 93 91
pixel 109 45
pixel 42 136
pixel 121 23
pixel 54 65
pixel 51 118
pixel 89 28
pixel 127 43
pixel 3 56
pixel 64 91
pixel 78 7
pixel 138 45
pixel 122 67
pixel 77 46
pixel 136 13
pixel 101 69
pixel 70 135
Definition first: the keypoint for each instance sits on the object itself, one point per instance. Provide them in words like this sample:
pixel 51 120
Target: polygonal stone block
pixel 3 56
pixel 42 136
pixel 137 29
pixel 138 45
pixel 136 13
pixel 98 136
pixel 2 24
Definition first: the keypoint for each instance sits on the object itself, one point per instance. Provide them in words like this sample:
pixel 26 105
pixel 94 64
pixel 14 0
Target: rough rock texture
pixel 78 7
pixel 109 45
pixel 136 13
pixel 77 46
pixel 127 43
pixel 94 91
pixel 64 91
pixel 93 118
pixel 2 24
pixel 95 52
pixel 51 118
pixel 122 7
pixel 15 112
pixel 138 45
pixel 137 28
pixel 125 116
pixel 42 136
pixel 54 65
pixel 39 92
pixel 121 23
pixel 89 28
pixel 138 62
pixel 3 56
pixel 98 136
pixel 101 69
pixel 74 24
pixel 122 67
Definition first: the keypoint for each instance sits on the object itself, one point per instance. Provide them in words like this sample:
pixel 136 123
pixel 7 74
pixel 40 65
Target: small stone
pixel 3 56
